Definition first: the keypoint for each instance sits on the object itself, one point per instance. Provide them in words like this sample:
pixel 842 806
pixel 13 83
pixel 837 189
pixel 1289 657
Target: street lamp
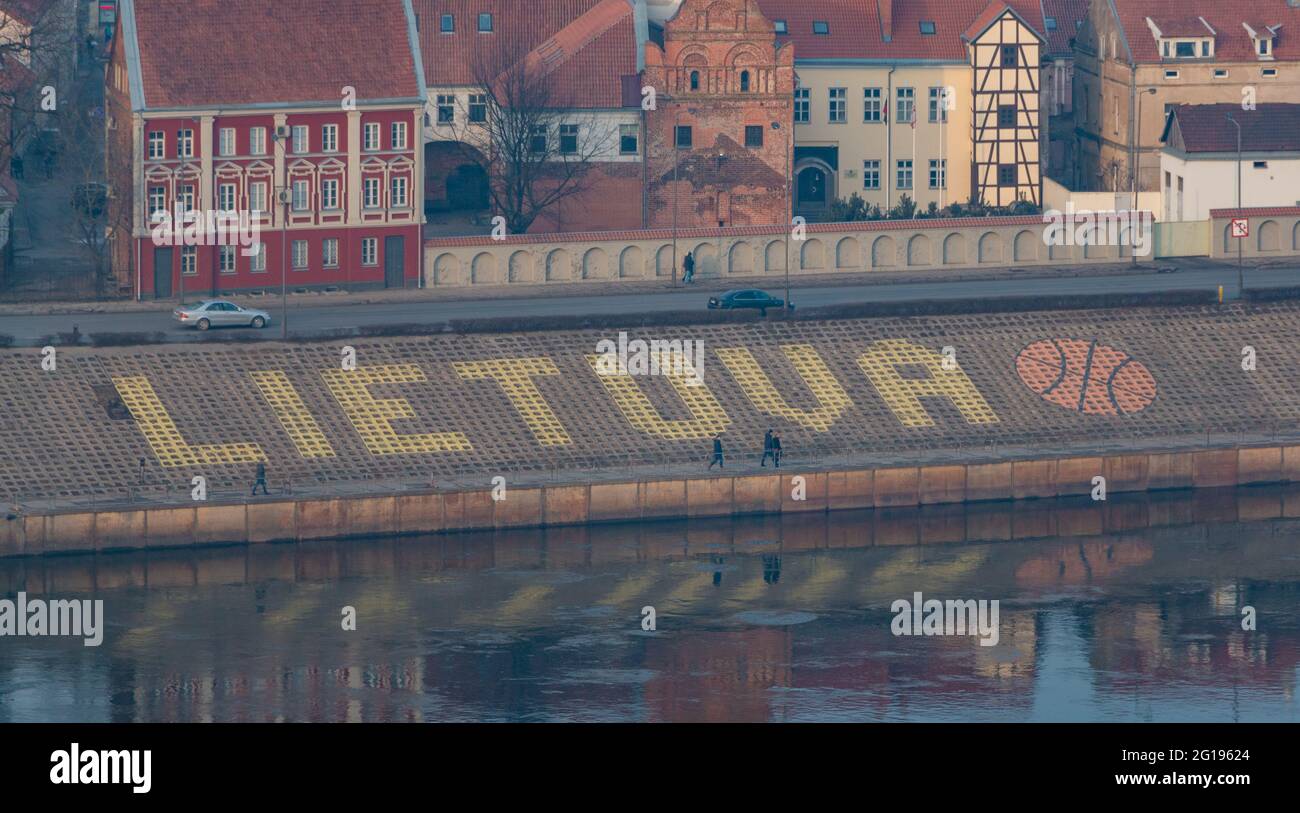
pixel 722 158
pixel 789 211
pixel 677 159
pixel 1241 273
pixel 280 136
pixel 1134 165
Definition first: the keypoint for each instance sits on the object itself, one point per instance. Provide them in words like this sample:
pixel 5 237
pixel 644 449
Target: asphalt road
pixel 28 330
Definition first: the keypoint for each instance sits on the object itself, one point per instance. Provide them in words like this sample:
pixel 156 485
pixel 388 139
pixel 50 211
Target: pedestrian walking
pixel 261 480
pixel 776 449
pixel 688 267
pixel 767 449
pixel 717 452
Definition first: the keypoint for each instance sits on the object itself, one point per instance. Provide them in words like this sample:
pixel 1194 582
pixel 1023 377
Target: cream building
pixel 933 100
pixel 1135 59
pixel 1199 163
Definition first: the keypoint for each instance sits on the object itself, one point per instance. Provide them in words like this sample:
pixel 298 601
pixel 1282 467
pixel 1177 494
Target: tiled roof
pixel 1182 26
pixel 1231 42
pixel 449 58
pixel 229 53
pixel 1259 211
pixel 885 29
pixel 28 11
pixel 1267 128
pixel 588 60
pixel 1066 13
pixel 14 76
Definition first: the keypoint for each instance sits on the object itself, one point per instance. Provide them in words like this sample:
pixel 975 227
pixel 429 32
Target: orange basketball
pixel 1086 376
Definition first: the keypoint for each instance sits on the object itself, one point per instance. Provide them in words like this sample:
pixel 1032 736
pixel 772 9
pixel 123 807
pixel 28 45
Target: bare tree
pixel 38 47
pixel 535 144
pixel 81 148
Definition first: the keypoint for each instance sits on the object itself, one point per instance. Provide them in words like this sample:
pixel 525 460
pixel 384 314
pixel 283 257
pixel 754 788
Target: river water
pixel 1131 609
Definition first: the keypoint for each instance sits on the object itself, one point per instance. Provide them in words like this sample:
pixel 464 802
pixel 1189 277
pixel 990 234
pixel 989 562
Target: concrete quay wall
pixel 205 524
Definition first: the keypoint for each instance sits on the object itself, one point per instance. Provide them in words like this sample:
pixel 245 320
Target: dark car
pixel 747 298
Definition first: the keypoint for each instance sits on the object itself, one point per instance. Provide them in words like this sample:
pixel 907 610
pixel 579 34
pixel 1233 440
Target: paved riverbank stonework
pixel 468 408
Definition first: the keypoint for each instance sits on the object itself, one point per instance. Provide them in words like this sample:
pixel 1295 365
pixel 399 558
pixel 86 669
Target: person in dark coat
pixel 717 453
pixel 776 449
pixel 768 449
pixel 688 267
pixel 261 480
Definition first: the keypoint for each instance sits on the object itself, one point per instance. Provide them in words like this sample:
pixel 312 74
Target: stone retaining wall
pixel 422 513
pixel 754 250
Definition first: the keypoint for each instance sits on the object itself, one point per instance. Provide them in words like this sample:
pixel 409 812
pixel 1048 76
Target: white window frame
pixel 257 141
pixel 157 145
pixel 837 105
pixel 300 202
pixel 257 263
pixel 157 200
pixel 904 167
pixel 257 198
pixel 226 142
pixel 370 251
pixel 396 200
pixel 227 193
pixel 301 135
pixel 185 143
pixel 301 254
pixel 329 252
pixel 370 142
pixel 329 194
pixel 871 172
pixel 371 193
pixel 329 138
pixel 397 133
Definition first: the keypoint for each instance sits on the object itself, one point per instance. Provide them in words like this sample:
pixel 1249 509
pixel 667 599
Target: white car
pixel 220 313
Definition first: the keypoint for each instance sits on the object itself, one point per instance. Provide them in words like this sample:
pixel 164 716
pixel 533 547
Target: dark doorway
pixel 162 273
pixel 812 187
pixel 467 188
pixel 394 262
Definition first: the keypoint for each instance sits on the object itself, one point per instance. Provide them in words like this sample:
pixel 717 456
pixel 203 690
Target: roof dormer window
pixel 781 27
pixel 927 27
pixel 821 27
pixel 1262 36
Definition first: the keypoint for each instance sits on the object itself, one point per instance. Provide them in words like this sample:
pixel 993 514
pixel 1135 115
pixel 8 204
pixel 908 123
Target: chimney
pixel 886 8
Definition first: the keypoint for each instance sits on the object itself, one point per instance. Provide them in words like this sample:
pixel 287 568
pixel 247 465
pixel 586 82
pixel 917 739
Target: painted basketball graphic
pixel 1086 376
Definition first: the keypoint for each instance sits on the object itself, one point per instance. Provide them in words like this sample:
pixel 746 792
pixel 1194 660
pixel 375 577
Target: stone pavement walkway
pixel 622 288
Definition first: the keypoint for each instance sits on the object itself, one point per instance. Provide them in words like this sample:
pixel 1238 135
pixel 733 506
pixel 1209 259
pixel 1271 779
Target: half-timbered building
pixel 1005 53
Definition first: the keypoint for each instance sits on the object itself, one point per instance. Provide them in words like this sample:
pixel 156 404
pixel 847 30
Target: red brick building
pixel 302 118
pixel 720 136
pixel 588 53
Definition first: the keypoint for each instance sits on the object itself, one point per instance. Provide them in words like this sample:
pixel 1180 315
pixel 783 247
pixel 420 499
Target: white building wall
pixel 1211 183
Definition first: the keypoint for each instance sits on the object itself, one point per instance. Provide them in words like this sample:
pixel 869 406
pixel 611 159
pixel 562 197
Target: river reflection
pixel 1127 610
